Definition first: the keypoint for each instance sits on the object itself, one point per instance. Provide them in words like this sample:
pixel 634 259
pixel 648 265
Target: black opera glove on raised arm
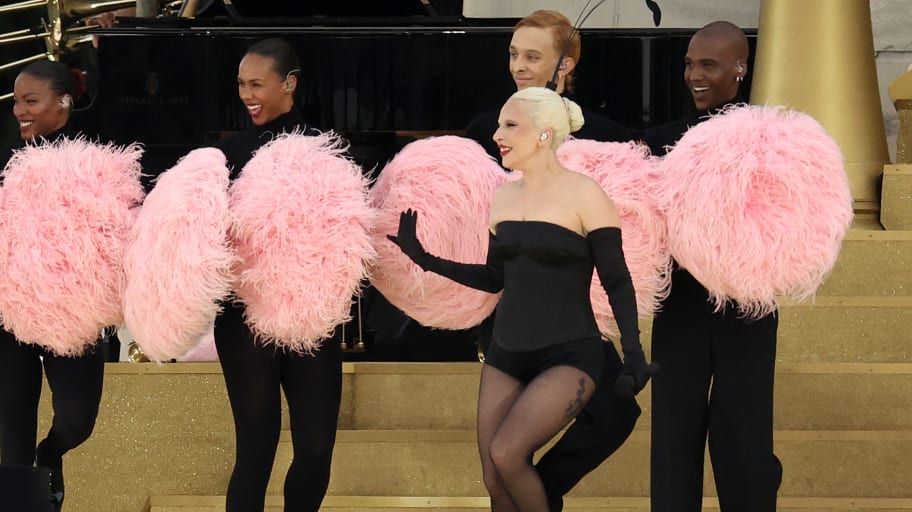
pixel 487 277
pixel 407 239
pixel 608 254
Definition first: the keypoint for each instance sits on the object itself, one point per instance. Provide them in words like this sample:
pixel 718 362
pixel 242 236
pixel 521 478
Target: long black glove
pixel 612 271
pixel 487 277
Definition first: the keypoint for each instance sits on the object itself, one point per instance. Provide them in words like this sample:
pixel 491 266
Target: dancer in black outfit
pixel 254 374
pixel 608 418
pixel 43 100
pixel 717 368
pixel 548 230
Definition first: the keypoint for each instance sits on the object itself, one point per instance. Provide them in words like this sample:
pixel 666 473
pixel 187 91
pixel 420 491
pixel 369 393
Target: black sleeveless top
pixel 547 277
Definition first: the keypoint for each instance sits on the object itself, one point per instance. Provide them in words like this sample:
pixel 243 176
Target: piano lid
pixel 351 13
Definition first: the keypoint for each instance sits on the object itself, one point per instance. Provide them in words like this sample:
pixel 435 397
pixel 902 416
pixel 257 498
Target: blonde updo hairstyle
pixel 549 110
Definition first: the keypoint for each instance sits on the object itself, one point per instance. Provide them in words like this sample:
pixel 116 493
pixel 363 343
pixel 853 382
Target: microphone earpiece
pixel 287 86
pixel 543 136
pixel 66 101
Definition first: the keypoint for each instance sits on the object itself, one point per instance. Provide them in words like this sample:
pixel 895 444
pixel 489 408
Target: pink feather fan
pixel 627 174
pixel 301 223
pixel 451 182
pixel 757 202
pixel 66 209
pixel 179 263
pixel 204 351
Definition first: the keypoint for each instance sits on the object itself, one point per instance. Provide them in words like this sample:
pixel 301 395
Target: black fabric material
pixel 608 418
pixel 596 127
pixel 254 376
pixel 25 489
pixel 487 277
pixel 76 384
pixel 717 382
pixel 663 137
pixel 717 378
pixel 239 148
pixel 524 366
pixel 547 276
pixel 608 254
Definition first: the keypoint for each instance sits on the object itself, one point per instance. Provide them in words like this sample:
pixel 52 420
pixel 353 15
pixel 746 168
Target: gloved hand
pixel 407 238
pixel 634 374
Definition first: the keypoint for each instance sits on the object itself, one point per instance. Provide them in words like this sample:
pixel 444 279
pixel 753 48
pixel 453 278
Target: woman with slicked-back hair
pixel 255 372
pixel 43 99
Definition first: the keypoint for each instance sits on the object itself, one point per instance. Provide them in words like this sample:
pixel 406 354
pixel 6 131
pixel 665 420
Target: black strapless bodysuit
pixel 547 277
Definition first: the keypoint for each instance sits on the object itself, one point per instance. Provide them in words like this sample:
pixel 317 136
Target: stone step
pixel 808 396
pixel 167 429
pixel 847 330
pixel 475 503
pixel 839 330
pixel 896 197
pixel 872 262
pixel 862 464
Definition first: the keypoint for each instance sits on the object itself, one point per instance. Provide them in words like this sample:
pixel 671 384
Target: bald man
pixel 717 369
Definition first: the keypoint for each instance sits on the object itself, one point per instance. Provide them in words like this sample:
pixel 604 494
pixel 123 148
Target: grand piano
pixel 382 74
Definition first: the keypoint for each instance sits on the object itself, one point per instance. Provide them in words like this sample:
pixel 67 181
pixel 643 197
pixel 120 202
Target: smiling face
pixel 711 69
pixel 266 94
pixel 37 108
pixel 532 57
pixel 517 137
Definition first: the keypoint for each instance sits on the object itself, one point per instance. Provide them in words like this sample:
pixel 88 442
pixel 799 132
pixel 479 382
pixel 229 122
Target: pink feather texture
pixel 757 202
pixel 301 224
pixel 179 262
pixel 627 174
pixel 66 209
pixel 204 351
pixel 451 182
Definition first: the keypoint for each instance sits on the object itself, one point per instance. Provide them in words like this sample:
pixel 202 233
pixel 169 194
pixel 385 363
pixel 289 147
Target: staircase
pixel 164 440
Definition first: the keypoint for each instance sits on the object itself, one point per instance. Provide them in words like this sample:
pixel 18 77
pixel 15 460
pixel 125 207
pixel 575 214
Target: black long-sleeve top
pixel 239 148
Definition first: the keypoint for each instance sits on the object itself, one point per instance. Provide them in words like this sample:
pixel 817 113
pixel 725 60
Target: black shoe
pixel 57 489
pixel 55 468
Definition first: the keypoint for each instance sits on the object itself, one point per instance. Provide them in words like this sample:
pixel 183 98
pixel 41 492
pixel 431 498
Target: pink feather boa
pixel 627 174
pixel 758 202
pixel 301 224
pixel 66 209
pixel 178 262
pixel 450 181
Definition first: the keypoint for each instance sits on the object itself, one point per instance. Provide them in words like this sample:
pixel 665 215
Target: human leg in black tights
pixel 535 414
pixel 76 384
pixel 20 389
pixel 313 385
pixel 252 376
pixel 313 388
pixel 604 425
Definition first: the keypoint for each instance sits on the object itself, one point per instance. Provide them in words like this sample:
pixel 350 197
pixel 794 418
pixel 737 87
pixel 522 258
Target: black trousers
pixel 716 377
pixel 254 375
pixel 603 426
pixel 76 384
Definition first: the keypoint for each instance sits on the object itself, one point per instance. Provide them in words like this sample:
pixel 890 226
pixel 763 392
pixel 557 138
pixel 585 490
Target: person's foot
pixel 57 489
pixel 55 467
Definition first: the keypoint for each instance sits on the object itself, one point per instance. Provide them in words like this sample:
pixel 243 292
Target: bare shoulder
pixel 596 209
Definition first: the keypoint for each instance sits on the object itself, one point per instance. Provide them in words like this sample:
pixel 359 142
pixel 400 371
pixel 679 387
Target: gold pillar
pixel 817 56
pixel 901 95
